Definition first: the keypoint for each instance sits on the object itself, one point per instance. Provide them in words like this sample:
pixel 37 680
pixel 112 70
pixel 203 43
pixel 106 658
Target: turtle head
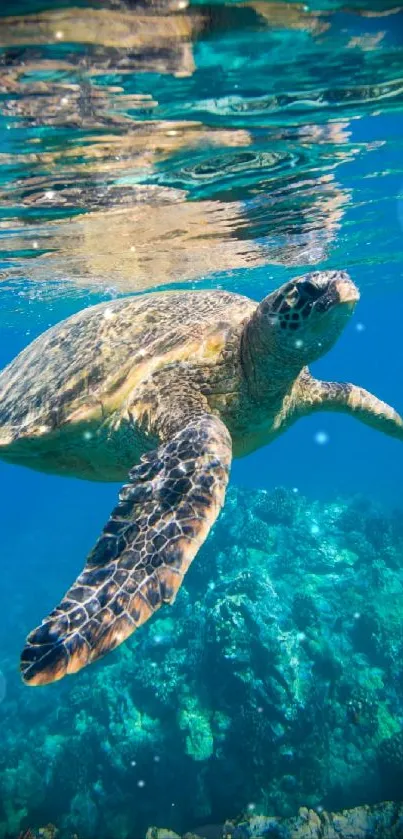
pixel 303 318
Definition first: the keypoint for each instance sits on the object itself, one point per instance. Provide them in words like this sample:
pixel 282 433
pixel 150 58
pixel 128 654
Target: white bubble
pixel 157 758
pixel 59 35
pixel 301 636
pixel 173 804
pixel 158 639
pixel 87 435
pixel 133 248
pixel 315 529
pixel 295 489
pixel 64 100
pixel 321 438
pixel 141 784
pixel 259 709
pixel 132 763
pixel 357 615
pixel 299 343
pixel 49 194
pixel 251 806
pixel 360 327
pixel 108 314
pixel 35 245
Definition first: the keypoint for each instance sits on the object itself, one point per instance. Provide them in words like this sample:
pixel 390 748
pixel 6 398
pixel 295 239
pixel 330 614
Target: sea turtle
pixel 165 388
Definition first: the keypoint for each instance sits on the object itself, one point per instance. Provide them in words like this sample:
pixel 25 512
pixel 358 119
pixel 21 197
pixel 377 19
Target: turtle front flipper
pixel 164 514
pixel 350 399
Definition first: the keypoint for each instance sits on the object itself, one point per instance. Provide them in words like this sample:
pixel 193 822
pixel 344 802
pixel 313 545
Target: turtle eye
pixel 310 291
pixel 289 300
pixel 292 296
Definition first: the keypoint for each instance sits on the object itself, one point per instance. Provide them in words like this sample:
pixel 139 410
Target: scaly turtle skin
pixel 165 388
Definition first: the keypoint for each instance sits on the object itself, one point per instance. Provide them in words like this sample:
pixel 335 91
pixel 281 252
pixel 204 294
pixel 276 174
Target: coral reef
pixel 273 683
pixel 381 821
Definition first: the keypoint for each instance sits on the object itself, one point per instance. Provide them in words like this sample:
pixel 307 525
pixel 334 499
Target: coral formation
pixel 382 821
pixel 271 684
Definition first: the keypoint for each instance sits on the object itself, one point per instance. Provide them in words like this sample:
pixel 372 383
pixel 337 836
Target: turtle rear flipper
pixel 164 514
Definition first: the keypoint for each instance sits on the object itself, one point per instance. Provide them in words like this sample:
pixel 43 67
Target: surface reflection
pixel 148 144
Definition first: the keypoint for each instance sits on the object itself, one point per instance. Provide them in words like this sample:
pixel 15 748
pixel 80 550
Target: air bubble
pixel 158 639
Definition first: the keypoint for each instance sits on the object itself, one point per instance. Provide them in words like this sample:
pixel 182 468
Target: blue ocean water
pixel 155 146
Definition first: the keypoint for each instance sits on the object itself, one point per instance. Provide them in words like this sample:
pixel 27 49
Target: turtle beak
pixel 327 290
pixel 347 292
